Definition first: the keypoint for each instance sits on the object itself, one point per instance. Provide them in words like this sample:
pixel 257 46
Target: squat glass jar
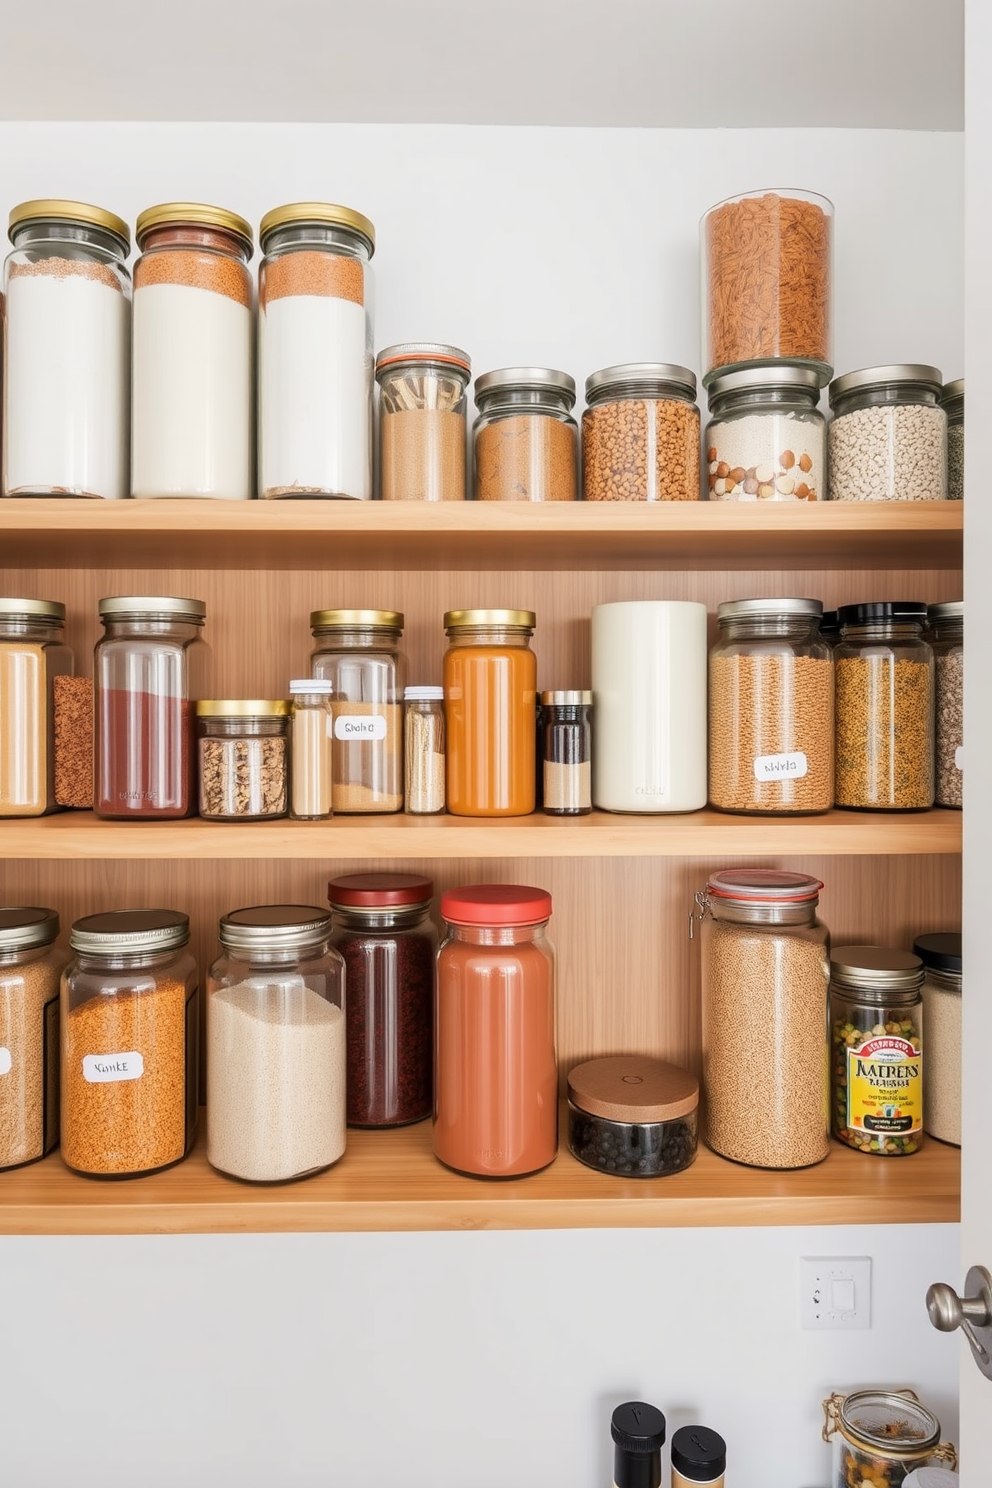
pixel 525 436
pixel 888 435
pixel 942 978
pixel 632 1116
pixel 358 651
pixel 766 438
pixel 946 635
pixel 32 654
pixel 422 401
pixel 880 1436
pixel 640 434
pixel 876 1020
pixel 490 691
pixel 30 970
pixel 952 402
pixel 243 759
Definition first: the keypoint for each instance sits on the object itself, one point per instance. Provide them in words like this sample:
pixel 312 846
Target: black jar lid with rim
pixel 699 1454
pixel 638 1430
pixel 891 609
pixel 941 950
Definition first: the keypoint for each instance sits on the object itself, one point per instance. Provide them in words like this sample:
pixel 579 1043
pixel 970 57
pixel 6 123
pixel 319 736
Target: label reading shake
pixel 780 766
pixel 5 1061
pixel 103 1069
pixel 885 1086
pixel 359 726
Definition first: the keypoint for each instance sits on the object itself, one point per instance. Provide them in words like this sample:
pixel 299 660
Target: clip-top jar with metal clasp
pixel 876 1021
pixel 766 438
pixel 888 435
pixel 490 692
pixel 358 651
pixel 525 436
pixel 422 399
pixel 880 1436
pixel 32 654
pixel 640 434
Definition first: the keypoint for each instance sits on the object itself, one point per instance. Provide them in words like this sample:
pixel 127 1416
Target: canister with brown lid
pixel 632 1115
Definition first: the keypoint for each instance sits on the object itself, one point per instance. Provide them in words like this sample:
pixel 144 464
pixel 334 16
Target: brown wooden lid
pixel 633 1088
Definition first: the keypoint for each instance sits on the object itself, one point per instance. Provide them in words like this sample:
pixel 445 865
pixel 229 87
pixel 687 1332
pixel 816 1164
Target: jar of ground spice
pixel 422 398
pixel 243 759
pixel 942 981
pixel 566 752
pixel 952 402
pixel 525 436
pixel 30 969
pixel 358 651
pixel 130 1032
pixel 33 654
pixel 766 438
pixel 383 930
pixel 490 691
pixel 888 435
pixel 640 434
pixel 876 1023
pixel 632 1116
pixel 946 622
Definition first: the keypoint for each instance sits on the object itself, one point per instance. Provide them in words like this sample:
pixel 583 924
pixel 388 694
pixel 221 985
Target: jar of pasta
pixel 358 652
pixel 876 1023
pixel 525 436
pixel 32 654
pixel 640 434
pixel 490 696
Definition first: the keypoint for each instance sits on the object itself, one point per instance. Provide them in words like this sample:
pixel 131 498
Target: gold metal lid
pixel 463 619
pixel 191 214
pixel 242 708
pixel 34 609
pixel 115 606
pixel 44 209
pixel 324 214
pixel 349 619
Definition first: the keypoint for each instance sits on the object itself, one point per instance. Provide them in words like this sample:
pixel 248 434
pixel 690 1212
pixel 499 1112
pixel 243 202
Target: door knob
pixel 972 1313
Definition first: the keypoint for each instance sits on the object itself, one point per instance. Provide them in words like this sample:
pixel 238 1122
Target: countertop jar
pixel 192 379
pixel 632 1116
pixel 764 996
pixel 525 436
pixel 946 629
pixel 566 752
pixel 383 930
pixel 952 402
pixel 358 651
pixel 888 435
pixel 243 759
pixel 640 434
pixel 424 750
pixel 766 438
pixel 422 400
pixel 130 1033
pixel 490 691
pixel 30 970
pixel 771 712
pixel 941 957
pixel 876 1021
pixel 67 352
pixel 315 352
pixel 880 1436
pixel 275 1045
pixel 32 654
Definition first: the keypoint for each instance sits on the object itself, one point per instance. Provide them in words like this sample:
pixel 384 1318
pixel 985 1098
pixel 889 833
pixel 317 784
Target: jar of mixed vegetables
pixel 880 1436
pixel 876 1007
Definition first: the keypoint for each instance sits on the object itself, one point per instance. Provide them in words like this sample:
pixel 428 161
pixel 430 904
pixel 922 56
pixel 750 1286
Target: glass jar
pixel 525 436
pixel 67 352
pixel 880 1436
pixel 496 1072
pixel 699 1457
pixel 566 752
pixel 424 750
pixel 243 764
pixel 876 1020
pixel 275 1045
pixel 764 995
pixel 638 1432
pixel 771 712
pixel 360 655
pixel 946 623
pixel 640 434
pixel 315 352
pixel 952 402
pixel 382 928
pixel 130 1035
pixel 32 654
pixel 888 435
pixel 422 400
pixel 30 970
pixel 192 385
pixel 490 690
pixel 632 1116
pixel 767 281
pixel 766 438
pixel 149 668
pixel 941 957
pixel 312 728
pixel 884 688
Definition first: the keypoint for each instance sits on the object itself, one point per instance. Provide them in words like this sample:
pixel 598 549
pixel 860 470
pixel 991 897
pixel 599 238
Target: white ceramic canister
pixel 649 693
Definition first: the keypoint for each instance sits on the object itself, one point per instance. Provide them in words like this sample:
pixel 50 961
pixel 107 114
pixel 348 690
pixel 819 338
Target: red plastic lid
pixel 379 890
pixel 496 904
pixel 762 885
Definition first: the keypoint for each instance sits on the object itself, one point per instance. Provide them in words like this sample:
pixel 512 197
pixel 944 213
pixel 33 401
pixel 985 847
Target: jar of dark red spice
pixel 383 930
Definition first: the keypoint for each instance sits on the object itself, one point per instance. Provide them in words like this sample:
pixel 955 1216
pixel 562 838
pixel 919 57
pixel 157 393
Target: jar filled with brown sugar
pixel 30 969
pixel 422 400
pixel 33 654
pixel 525 436
pixel 640 434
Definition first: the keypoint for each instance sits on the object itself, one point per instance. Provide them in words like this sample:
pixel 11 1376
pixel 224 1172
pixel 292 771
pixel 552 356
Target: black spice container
pixel 632 1116
pixel 699 1457
pixel 639 1433
pixel 565 752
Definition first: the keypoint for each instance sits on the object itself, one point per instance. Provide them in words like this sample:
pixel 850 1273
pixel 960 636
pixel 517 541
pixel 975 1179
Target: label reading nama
pixel 780 766
pixel 5 1061
pixel 359 726
pixel 103 1069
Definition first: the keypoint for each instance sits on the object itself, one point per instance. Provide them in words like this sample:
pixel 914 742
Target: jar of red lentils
pixel 640 434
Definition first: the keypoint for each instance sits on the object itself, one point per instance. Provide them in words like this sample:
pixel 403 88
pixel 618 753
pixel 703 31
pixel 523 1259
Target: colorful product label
pixel 885 1086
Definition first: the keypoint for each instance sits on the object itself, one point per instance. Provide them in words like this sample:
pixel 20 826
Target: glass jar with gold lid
pixel 358 651
pixel 243 758
pixel 490 698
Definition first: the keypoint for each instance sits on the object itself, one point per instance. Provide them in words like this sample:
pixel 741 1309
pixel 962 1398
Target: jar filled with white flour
pixel 66 381
pixel 191 417
pixel 766 438
pixel 315 360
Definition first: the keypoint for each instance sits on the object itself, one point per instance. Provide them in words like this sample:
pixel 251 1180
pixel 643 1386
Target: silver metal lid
pixel 951 609
pixel 897 372
pixel 755 378
pixel 423 353
pixel 877 968
pixel 34 609
pixel 130 930
pixel 763 886
pixel 755 609
pixel 640 374
pixel 534 379
pixel 24 929
pixel 953 389
pixel 193 610
pixel 275 927
pixel 571 697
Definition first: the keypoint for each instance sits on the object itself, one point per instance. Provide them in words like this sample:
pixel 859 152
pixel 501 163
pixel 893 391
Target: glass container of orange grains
pixel 490 700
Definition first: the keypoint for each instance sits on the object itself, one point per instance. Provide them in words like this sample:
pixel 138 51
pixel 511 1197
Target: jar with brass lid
pixel 490 700
pixel 525 436
pixel 33 654
pixel 876 1023
pixel 422 398
pixel 880 1436
pixel 358 651
pixel 242 754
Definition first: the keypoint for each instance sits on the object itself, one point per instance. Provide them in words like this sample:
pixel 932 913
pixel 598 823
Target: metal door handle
pixel 972 1313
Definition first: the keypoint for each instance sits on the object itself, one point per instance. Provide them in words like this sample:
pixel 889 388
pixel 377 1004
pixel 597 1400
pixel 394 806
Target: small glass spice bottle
pixel 423 750
pixel 243 759
pixel 942 981
pixel 422 399
pixel 952 402
pixel 640 434
pixel 525 436
pixel 30 969
pixel 566 752
pixel 311 793
pixel 876 1023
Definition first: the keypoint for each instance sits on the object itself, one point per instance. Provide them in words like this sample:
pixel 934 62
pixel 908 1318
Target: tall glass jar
pixel 640 434
pixel 358 651
pixel 766 438
pixel 765 971
pixel 771 708
pixel 130 1032
pixel 952 402
pixel 67 352
pixel 422 399
pixel 942 980
pixel 880 1436
pixel 244 769
pixel 888 435
pixel 490 691
pixel 149 668
pixel 876 1020
pixel 32 654
pixel 946 622
pixel 315 307
pixel 30 970
pixel 525 436
pixel 275 1045
pixel 192 403
pixel 884 688
pixel 496 1077
pixel 383 930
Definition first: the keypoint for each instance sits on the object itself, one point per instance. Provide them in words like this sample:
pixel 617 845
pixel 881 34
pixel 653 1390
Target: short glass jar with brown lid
pixel 358 652
pixel 876 1022
pixel 422 401
pixel 242 758
pixel 525 436
pixel 640 434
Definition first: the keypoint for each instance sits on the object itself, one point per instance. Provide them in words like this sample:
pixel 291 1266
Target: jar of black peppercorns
pixel 632 1116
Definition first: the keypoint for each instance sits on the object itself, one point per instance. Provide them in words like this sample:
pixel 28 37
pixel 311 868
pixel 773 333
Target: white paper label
pixel 5 1061
pixel 780 766
pixel 102 1069
pixel 959 758
pixel 359 726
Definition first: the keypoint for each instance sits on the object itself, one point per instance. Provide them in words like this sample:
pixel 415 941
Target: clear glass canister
pixel 640 434
pixel 30 970
pixel 876 1020
pixel 490 691
pixel 496 1071
pixel 942 978
pixel 566 752
pixel 275 1045
pixel 952 402
pixel 771 708
pixel 32 654
pixel 315 343
pixel 130 1033
pixel 67 352
pixel 244 769
pixel 884 700
pixel 311 737
pixel 946 622
pixel 888 435
pixel 632 1116
pixel 880 1436
pixel 766 438
pixel 525 436
pixel 424 750
pixel 765 969
pixel 150 667
pixel 383 930
pixel 422 401
pixel 767 281
pixel 358 651
pixel 192 423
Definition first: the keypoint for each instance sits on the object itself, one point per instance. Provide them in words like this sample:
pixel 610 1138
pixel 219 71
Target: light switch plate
pixel 835 1292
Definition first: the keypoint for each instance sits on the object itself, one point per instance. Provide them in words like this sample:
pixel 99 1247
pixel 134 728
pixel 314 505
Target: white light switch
pixel 835 1291
pixel 842 1294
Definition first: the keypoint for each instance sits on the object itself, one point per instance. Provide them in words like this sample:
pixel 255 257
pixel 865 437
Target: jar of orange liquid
pixel 490 701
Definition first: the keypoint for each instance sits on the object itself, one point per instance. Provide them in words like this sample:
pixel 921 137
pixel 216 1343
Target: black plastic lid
pixel 639 1432
pixel 893 609
pixel 942 950
pixel 829 625
pixel 698 1453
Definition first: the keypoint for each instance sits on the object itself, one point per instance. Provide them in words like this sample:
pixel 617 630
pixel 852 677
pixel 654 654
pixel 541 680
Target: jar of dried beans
pixel 640 434
pixel 952 402
pixel 315 352
pixel 243 764
pixel 490 691
pixel 358 651
pixel 33 654
pixel 771 708
pixel 67 352
pixel 942 980
pixel 422 400
pixel 130 1030
pixel 884 687
pixel 525 436
pixel 766 438
pixel 946 623
pixel 765 971
pixel 888 435
pixel 193 375
pixel 880 1436
pixel 383 930
pixel 876 1021
pixel 30 969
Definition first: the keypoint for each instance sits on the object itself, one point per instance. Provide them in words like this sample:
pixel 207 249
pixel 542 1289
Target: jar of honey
pixel 490 699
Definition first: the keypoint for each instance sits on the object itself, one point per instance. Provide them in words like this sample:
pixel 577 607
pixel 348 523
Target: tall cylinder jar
pixel 888 435
pixel 640 434
pixel 422 400
pixel 32 654
pixel 952 402
pixel 946 622
pixel 358 651
pixel 525 437
pixel 67 352
pixel 876 1021
pixel 315 309
pixel 192 426
pixel 942 983
pixel 490 702
pixel 30 971
pixel 766 438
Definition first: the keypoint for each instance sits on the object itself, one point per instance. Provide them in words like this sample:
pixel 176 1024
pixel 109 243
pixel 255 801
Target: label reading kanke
pixel 780 766
pixel 102 1069
pixel 358 726
pixel 5 1061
